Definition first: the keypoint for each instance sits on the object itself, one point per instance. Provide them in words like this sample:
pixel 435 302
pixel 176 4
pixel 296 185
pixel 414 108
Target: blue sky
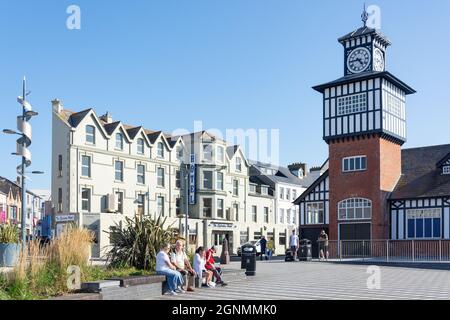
pixel 232 64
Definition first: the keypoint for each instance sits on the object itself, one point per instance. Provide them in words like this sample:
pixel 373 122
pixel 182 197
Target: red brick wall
pixel 381 176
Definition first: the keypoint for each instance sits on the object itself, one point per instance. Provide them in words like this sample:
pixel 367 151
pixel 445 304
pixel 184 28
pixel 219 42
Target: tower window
pixel 352 164
pixel 355 209
pixel 352 104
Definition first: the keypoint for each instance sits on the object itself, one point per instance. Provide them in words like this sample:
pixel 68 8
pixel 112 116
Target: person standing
pixel 180 260
pixel 270 248
pixel 323 246
pixel 263 243
pixel 294 243
pixel 166 268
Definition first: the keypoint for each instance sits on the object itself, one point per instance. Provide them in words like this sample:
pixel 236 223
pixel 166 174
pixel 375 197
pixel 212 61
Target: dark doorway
pixel 356 231
pixel 355 240
pixel 312 234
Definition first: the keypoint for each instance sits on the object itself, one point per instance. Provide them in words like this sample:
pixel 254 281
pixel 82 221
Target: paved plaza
pixel 278 280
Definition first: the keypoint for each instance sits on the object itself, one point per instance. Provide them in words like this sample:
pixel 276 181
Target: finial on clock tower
pixel 365 16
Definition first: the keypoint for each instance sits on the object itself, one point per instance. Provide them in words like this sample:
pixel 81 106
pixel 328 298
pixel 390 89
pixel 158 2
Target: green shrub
pixel 9 233
pixel 138 243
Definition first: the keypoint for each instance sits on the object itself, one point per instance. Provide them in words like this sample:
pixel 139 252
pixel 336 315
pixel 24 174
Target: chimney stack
pixel 57 105
pixel 107 117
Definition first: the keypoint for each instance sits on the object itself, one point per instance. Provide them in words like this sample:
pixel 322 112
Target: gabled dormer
pixel 444 165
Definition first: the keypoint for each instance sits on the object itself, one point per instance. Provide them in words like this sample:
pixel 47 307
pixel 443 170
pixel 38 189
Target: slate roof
pixel 110 127
pixel 153 136
pixel 421 176
pixel 76 117
pixel 231 150
pixel 132 132
pixel 366 31
pixel 283 175
pixel 366 76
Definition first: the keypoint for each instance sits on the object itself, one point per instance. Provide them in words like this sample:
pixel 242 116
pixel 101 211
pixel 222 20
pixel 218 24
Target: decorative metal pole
pixel 22 150
pixel 186 186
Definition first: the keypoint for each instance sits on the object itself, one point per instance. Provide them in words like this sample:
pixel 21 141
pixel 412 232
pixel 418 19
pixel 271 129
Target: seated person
pixel 180 260
pixel 199 267
pixel 210 265
pixel 166 268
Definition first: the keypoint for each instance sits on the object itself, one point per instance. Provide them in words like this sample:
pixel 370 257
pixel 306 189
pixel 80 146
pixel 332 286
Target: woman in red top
pixel 211 267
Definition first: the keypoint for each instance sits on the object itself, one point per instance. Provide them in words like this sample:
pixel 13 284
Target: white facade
pixel 104 171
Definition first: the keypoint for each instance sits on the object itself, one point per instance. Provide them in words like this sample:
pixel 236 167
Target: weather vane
pixel 365 16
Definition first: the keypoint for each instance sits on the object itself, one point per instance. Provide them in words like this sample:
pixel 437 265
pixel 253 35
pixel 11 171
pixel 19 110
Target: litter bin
pixel 305 250
pixel 248 259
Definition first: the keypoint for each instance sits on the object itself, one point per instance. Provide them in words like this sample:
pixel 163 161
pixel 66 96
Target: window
pixel 288 216
pixel 282 239
pixel 160 206
pixel 140 204
pixel 238 164
pixel 252 188
pixel 86 166
pixel 60 165
pixel 355 209
pixel 288 194
pixel 243 237
pixel 141 174
pixel 178 206
pixel 219 181
pixel 254 213
pixel 266 214
pixel 446 170
pixel 180 152
pixel 86 199
pixel 315 213
pixel 140 146
pixel 220 208
pixel 294 195
pixel 207 207
pixel 119 141
pixel 354 164
pixel 160 150
pixel 60 199
pixel 281 218
pixel 160 177
pixel 90 134
pixel 236 188
pixel 207 180
pixel 220 154
pixel 178 179
pixel 394 106
pixel 207 152
pixel 236 211
pixel 264 190
pixel 119 171
pixel 281 193
pixel 352 104
pixel 119 199
pixel 424 223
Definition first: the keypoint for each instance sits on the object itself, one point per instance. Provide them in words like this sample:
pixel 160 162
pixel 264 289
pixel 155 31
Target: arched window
pixel 160 150
pixel 119 141
pixel 355 209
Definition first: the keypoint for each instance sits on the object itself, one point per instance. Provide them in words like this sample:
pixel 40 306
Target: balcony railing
pixel 390 250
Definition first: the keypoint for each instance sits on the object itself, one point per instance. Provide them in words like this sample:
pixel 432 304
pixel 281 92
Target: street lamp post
pixel 186 213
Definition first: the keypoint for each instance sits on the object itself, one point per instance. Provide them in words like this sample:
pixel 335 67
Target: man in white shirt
pixel 166 268
pixel 294 243
pixel 180 260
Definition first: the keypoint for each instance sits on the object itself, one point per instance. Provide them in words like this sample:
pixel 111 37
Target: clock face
pixel 358 60
pixel 378 60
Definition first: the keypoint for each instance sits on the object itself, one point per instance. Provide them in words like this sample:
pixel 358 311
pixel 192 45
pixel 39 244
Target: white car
pixel 257 244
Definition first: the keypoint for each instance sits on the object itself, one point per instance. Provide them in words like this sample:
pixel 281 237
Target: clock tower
pixel 364 125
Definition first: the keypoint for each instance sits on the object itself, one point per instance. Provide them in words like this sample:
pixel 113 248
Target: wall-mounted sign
pixel 221 225
pixel 65 218
pixel 192 180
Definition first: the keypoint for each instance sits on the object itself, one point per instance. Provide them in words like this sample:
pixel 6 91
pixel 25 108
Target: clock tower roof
pixel 366 76
pixel 365 31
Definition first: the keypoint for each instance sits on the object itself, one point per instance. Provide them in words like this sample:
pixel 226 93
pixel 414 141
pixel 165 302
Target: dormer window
pixel 90 134
pixel 160 150
pixel 238 165
pixel 207 152
pixel 140 146
pixel 446 170
pixel 119 141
